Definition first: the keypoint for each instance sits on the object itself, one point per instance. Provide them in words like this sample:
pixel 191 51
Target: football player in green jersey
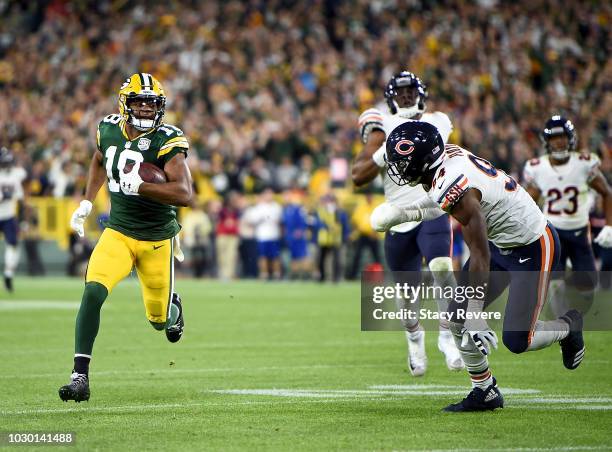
pixel 142 227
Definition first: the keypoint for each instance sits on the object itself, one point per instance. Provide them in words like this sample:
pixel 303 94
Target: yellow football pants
pixel 113 258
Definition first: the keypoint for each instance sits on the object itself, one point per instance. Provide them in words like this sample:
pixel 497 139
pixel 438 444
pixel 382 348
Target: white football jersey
pixel 11 191
pixel 564 188
pixel 513 218
pixel 404 195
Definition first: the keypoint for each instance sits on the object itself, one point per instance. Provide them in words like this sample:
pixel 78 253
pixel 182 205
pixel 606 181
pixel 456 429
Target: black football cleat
pixel 8 283
pixel 174 332
pixel 479 400
pixel 572 347
pixel 77 389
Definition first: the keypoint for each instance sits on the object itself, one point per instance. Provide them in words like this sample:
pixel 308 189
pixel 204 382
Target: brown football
pixel 148 172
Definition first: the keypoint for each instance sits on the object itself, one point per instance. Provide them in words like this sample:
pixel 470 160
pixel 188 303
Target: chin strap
pixel 560 155
pixel 409 112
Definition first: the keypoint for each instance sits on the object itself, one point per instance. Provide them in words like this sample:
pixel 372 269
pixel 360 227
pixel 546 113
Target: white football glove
pixel 78 217
pixel 386 216
pixel 604 238
pixel 478 331
pixel 130 182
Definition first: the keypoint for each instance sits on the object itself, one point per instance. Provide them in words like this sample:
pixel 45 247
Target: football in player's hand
pixel 148 173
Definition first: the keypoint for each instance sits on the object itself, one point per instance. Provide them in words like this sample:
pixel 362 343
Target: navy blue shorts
pixel 270 249
pixel 527 270
pixel 9 229
pixel 298 248
pixel 576 246
pixel 404 251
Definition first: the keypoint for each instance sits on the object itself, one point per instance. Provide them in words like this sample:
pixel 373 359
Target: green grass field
pixel 277 366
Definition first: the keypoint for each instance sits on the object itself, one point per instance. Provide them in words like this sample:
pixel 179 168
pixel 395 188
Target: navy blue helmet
pixel 413 148
pixel 6 158
pixel 555 126
pixel 406 103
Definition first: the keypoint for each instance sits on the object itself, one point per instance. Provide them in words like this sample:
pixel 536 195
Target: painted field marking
pixel 368 393
pixel 104 373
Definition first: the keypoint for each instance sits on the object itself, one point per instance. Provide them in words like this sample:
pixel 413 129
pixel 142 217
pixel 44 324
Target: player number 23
pixel 555 195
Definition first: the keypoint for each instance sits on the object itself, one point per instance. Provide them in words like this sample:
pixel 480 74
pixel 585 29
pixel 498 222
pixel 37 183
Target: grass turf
pixel 220 387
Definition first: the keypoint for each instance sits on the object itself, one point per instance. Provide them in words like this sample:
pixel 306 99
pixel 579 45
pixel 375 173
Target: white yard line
pixel 104 373
pixel 20 305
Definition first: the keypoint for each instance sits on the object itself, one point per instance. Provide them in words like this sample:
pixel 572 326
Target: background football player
pixel 561 179
pixel 11 202
pixel 142 225
pixel 406 244
pixel 506 232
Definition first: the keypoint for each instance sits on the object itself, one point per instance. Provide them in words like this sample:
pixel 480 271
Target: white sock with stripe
pixel 11 259
pixel 547 333
pixel 476 363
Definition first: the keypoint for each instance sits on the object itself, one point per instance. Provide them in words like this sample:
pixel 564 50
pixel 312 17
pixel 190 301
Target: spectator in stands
pixel 266 218
pixel 331 232
pixel 227 237
pixel 295 223
pixel 31 241
pixel 195 238
pixel 249 254
pixel 365 236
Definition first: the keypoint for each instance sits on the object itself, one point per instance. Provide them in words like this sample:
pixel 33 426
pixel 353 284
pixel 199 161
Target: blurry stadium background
pixel 268 94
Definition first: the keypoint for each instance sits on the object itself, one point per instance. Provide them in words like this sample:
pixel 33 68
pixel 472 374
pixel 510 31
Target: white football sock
pixel 547 333
pixel 11 259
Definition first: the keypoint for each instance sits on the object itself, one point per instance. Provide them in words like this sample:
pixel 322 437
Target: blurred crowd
pixel 269 92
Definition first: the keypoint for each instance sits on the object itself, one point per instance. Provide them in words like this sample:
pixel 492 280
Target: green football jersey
pixel 131 214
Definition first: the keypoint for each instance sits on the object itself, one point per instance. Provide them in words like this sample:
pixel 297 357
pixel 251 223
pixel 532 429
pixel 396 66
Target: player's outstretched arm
pixel 601 186
pixel 178 190
pixel 365 168
pixel 474 227
pixel 95 177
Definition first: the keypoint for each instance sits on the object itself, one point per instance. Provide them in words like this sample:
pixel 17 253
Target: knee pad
pixel 516 341
pixel 442 270
pixel 441 264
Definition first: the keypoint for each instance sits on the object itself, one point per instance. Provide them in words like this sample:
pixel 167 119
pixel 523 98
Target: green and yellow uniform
pixel 140 231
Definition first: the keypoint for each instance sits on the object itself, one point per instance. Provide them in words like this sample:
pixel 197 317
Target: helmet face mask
pixel 555 128
pixel 6 159
pixel 142 102
pixel 406 95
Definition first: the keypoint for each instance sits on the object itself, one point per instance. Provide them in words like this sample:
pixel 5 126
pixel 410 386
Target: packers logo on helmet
pixel 146 89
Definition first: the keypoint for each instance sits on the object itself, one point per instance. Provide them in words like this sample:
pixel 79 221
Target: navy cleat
pixel 479 400
pixel 572 347
pixel 8 283
pixel 77 389
pixel 174 332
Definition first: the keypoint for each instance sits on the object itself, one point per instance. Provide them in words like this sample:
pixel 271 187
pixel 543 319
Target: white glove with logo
pixel 604 238
pixel 130 182
pixel 78 217
pixel 478 330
